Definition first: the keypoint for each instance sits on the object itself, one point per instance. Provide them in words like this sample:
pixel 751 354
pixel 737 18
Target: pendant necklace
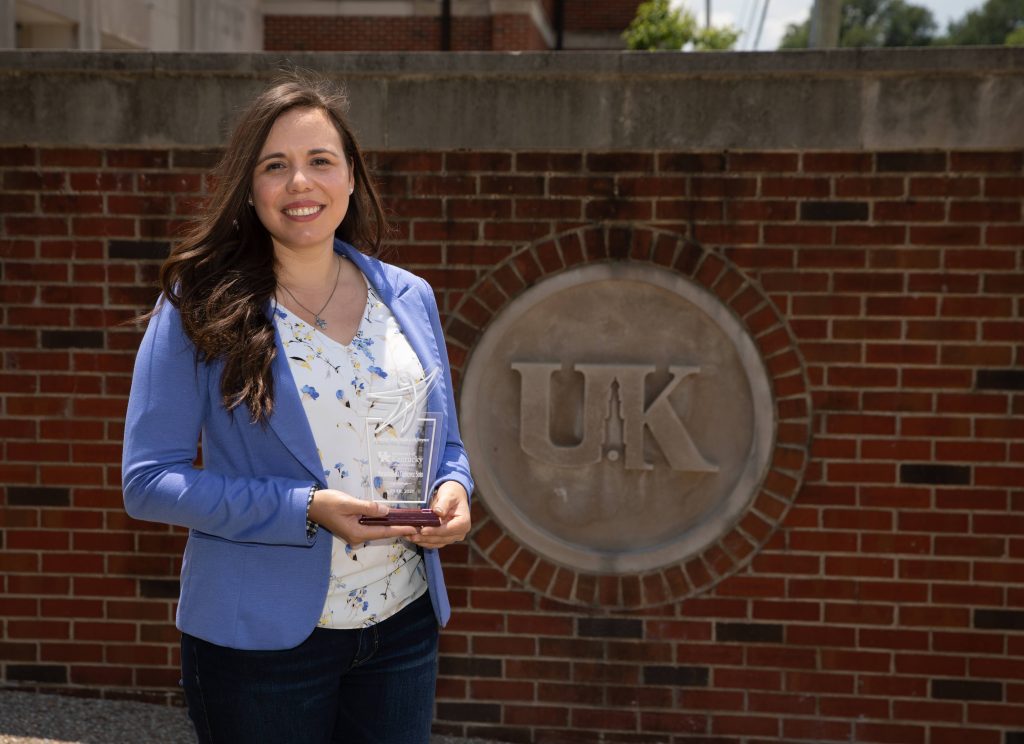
pixel 320 322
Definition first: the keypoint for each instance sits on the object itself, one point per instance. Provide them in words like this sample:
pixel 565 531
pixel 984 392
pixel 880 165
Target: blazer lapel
pixel 408 309
pixel 289 420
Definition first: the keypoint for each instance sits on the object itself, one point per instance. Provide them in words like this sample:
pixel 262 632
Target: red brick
pixel 819 683
pixel 548 161
pixel 70 652
pixel 795 187
pixel 169 182
pixel 444 231
pixel 876 235
pixel 17 156
pixel 745 725
pixel 14 203
pixel 515 231
pixel 909 211
pixel 101 676
pixel 672 722
pixel 36 225
pixel 840 472
pixel 889 733
pixel 837 162
pixel 889 543
pixel 514 185
pixel 977 356
pixel 477 161
pixel 535 715
pixel 873 282
pixel 935 427
pixel 33 181
pixel 824 635
pixel 1006 573
pixel 854 707
pixel 859 566
pixel 998 668
pixel 993 476
pixel 810 235
pixel 932 616
pixel 859 614
pixel 979 258
pixel 951 735
pixel 815 729
pixel 620 161
pixel 984 211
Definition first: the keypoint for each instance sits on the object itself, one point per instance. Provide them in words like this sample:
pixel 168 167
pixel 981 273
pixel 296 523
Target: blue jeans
pixel 373 685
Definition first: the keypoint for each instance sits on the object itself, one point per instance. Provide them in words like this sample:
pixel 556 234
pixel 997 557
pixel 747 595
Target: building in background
pixel 315 25
pixel 158 25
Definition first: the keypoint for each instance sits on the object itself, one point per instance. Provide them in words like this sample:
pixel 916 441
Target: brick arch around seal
pixel 738 544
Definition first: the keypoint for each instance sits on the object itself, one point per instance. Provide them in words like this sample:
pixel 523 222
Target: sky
pixel 744 14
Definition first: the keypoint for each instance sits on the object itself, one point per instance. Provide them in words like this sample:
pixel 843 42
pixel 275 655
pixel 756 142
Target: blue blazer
pixel 250 578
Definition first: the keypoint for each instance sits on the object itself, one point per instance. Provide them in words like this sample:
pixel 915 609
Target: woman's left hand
pixel 451 504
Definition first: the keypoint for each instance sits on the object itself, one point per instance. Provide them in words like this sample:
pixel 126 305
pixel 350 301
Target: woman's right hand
pixel 339 512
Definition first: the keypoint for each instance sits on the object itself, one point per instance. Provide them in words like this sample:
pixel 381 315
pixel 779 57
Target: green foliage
pixel 993 23
pixel 872 23
pixel 659 26
pixel 797 36
pixel 716 38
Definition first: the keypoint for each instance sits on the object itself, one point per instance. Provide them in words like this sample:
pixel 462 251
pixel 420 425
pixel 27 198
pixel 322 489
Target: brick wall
pixel 608 15
pixel 352 33
pixel 499 32
pixel 509 32
pixel 889 606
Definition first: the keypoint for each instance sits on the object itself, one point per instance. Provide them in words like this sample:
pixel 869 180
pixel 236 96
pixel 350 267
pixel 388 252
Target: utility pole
pixel 707 13
pixel 446 25
pixel 825 19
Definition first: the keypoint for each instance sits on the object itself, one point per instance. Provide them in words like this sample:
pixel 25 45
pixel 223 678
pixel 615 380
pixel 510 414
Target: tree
pixel 873 23
pixel 658 26
pixel 995 22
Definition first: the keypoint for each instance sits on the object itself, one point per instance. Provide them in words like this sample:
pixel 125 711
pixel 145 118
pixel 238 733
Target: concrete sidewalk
pixel 29 718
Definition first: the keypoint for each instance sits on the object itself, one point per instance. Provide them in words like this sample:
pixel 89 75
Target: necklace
pixel 320 322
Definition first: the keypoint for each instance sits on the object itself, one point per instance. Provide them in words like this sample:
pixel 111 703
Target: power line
pixel 760 26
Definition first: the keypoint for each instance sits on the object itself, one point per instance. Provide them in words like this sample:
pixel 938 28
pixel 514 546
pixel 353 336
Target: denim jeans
pixel 373 685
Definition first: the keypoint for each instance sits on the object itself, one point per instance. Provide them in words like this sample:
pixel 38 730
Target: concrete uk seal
pixel 619 418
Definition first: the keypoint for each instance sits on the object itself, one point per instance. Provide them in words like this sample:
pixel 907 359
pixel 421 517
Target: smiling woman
pixel 302 181
pixel 299 622
pixel 300 192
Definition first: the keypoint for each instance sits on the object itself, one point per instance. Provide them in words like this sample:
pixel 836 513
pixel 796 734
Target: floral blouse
pixel 376 376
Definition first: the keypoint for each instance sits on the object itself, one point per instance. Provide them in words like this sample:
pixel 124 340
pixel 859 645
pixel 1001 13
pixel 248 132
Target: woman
pixel 290 349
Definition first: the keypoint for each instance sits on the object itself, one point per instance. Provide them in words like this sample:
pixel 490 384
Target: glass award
pixel 402 458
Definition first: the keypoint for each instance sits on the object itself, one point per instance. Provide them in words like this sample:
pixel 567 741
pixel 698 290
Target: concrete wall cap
pixel 848 99
pixel 970 60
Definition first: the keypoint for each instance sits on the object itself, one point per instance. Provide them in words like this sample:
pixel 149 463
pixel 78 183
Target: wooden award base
pixel 404 518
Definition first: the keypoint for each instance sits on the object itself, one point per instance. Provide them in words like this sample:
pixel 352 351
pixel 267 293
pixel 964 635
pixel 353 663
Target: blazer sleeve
pixel 454 463
pixel 167 407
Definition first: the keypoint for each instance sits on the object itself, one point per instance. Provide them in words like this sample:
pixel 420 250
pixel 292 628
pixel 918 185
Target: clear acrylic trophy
pixel 402 455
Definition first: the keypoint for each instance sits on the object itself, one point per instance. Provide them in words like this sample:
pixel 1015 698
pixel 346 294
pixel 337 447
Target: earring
pixel 250 201
pixel 352 190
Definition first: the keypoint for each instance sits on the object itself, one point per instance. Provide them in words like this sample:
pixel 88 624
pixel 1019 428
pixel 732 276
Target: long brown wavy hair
pixel 222 275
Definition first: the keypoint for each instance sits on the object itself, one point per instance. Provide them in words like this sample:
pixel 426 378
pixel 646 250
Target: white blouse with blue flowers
pixel 341 386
